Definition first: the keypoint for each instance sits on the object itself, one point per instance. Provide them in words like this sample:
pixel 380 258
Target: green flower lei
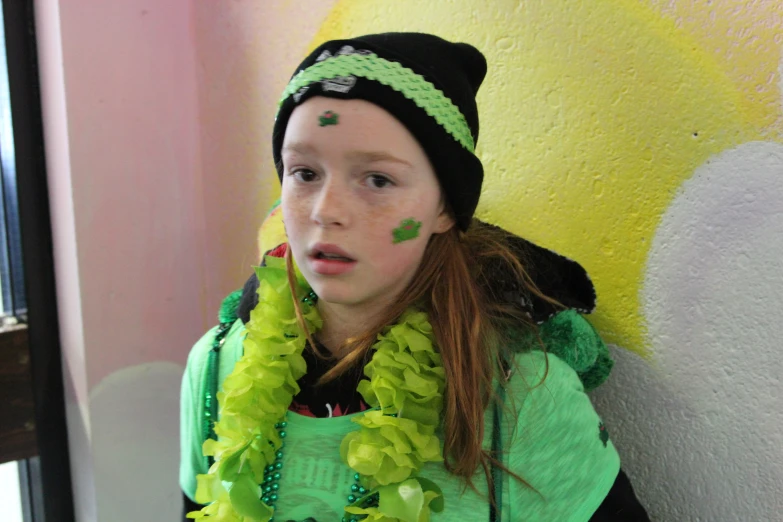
pixel 397 436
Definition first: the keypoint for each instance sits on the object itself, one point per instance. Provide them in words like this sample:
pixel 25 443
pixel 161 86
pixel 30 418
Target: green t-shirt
pixel 551 436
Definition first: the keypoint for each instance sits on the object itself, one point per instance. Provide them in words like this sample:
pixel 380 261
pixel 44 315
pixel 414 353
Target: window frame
pixel 45 478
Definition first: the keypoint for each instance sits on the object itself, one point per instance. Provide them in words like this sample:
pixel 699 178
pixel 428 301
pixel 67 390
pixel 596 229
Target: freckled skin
pixel 338 189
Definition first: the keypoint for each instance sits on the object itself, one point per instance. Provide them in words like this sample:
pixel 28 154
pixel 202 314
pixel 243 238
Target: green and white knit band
pixel 392 74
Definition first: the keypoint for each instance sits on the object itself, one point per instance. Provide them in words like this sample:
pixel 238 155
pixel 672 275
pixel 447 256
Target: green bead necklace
pixel 273 473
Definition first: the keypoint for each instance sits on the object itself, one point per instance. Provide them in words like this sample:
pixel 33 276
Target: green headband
pixel 392 74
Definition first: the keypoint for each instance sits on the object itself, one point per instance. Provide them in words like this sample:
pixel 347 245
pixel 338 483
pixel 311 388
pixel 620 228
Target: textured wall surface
pixel 700 426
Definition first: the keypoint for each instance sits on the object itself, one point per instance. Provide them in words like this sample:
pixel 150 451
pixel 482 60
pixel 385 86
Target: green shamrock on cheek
pixel 408 229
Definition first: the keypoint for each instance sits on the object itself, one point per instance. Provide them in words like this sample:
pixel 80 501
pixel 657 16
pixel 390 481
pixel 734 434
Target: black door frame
pixel 46 479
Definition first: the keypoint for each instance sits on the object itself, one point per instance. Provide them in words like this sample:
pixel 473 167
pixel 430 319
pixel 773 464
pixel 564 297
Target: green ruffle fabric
pixel 406 384
pixel 405 390
pixel 255 396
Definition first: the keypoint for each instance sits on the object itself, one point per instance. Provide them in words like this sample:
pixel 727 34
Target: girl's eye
pixel 304 175
pixel 379 181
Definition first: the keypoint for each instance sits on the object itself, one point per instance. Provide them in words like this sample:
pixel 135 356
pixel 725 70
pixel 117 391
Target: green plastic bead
pixel 275 487
pixel 354 488
pixel 276 476
pixel 283 424
pixel 351 498
pixel 282 434
pixel 279 455
pixel 362 490
pixel 356 477
pixel 278 465
pixel 273 498
pixel 268 489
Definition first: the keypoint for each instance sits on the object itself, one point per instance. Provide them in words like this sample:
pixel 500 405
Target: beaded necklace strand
pixel 273 474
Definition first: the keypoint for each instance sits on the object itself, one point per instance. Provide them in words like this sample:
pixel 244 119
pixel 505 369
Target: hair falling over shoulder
pixel 453 284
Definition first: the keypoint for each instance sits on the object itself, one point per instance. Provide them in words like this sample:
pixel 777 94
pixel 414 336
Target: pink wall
pixel 241 48
pixel 136 178
pixel 157 119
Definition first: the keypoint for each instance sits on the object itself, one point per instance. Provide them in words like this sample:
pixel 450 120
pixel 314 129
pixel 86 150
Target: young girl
pixel 396 359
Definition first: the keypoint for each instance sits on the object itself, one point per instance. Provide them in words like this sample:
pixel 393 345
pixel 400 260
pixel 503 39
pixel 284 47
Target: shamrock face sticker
pixel 327 118
pixel 408 229
pixel 603 434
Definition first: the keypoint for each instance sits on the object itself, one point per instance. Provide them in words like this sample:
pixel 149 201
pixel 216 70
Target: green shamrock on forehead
pixel 408 229
pixel 328 118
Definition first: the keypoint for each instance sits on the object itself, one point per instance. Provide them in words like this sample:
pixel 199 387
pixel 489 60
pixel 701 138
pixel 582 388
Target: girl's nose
pixel 330 207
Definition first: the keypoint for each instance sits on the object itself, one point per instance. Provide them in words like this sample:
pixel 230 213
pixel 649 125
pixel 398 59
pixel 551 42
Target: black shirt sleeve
pixel 621 504
pixel 188 506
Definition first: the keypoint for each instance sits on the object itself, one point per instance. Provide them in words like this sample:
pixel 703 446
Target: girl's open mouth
pixel 330 262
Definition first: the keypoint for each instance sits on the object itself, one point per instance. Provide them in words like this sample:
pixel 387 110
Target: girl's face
pixel 360 201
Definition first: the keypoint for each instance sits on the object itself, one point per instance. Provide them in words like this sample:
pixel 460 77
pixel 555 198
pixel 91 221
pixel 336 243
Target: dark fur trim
pixel 556 276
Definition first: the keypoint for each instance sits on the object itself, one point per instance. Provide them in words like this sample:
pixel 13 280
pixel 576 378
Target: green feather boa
pixel 397 436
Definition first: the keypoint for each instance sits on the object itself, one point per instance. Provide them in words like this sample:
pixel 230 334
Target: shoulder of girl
pixel 549 398
pixel 556 440
pixel 537 371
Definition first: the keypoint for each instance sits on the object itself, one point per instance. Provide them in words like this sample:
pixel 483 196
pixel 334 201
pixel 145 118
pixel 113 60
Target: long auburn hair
pixel 452 284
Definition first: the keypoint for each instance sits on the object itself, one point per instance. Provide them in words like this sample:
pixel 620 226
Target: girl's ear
pixel 444 222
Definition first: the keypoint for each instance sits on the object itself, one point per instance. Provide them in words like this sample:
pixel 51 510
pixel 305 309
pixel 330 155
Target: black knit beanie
pixel 426 82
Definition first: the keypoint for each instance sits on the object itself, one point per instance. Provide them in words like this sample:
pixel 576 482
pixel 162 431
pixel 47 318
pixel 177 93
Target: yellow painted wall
pixel 595 111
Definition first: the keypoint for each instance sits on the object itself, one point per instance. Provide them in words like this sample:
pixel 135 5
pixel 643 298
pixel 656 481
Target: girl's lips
pixel 324 266
pixel 328 248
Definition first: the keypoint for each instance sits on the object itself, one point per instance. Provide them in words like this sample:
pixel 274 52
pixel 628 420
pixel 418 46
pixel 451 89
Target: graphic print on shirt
pixel 315 482
pixel 337 411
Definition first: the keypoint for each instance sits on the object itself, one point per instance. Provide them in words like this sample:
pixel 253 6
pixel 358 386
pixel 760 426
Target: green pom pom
pixel 229 306
pixel 596 375
pixel 569 336
pixel 572 338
